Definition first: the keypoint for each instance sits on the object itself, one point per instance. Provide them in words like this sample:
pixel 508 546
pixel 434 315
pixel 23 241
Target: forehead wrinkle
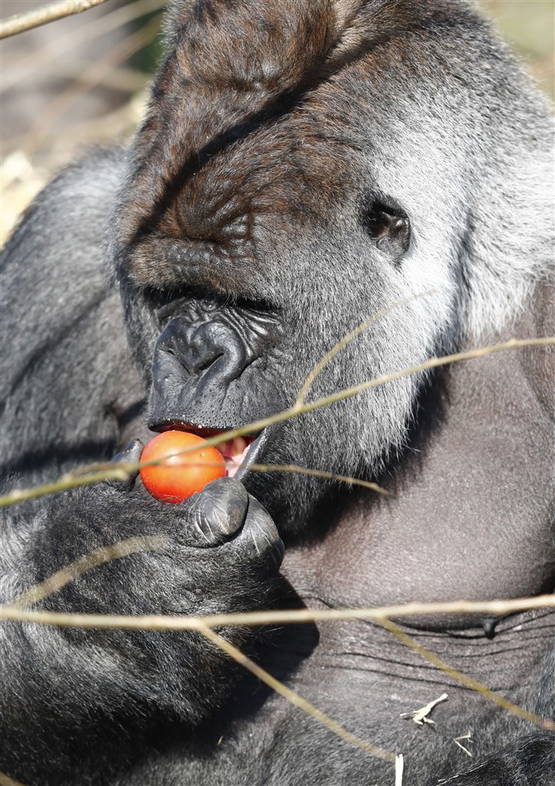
pixel 310 140
pixel 273 168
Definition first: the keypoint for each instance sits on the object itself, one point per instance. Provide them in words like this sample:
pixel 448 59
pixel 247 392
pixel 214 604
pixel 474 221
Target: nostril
pixel 193 358
pixel 205 361
pixel 206 346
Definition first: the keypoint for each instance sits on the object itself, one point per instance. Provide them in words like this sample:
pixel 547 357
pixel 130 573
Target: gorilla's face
pixel 257 231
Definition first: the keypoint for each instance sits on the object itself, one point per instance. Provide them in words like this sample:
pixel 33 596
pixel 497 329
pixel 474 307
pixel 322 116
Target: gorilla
pixel 301 166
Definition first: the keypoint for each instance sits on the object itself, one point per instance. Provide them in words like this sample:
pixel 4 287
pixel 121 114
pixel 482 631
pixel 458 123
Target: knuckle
pixel 216 513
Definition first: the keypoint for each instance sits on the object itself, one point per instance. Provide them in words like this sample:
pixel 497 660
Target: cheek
pixel 430 274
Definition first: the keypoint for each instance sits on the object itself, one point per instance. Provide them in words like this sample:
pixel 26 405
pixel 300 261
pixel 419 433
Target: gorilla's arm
pixel 222 552
pixel 529 759
pixel 66 386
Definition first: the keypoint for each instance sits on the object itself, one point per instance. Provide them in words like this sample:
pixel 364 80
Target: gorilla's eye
pixel 389 228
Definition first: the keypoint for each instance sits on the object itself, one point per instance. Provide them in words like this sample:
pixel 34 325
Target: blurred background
pixel 83 80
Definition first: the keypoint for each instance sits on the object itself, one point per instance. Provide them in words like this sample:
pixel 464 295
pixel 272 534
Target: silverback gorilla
pixel 302 165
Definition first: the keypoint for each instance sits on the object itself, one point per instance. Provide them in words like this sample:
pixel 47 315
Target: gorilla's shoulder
pixel 72 210
pixel 99 170
pixel 58 245
pixel 53 269
pixel 67 361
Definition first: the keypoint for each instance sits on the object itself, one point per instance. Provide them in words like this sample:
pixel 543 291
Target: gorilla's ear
pixel 389 227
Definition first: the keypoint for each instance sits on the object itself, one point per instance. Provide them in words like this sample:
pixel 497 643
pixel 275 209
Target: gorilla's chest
pixel 470 515
pixel 422 549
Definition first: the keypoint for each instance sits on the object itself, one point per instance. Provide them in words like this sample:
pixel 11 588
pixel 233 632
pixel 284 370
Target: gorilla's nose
pixel 194 362
pixel 204 350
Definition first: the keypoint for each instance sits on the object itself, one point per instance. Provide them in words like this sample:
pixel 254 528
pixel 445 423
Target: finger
pixel 131 454
pixel 215 514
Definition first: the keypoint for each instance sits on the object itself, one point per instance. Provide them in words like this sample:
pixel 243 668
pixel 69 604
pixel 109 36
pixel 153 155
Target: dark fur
pixel 302 166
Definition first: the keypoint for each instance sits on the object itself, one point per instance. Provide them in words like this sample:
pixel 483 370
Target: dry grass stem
pixel 399 769
pixel 464 679
pixel 18 23
pixel 293 697
pixel 318 473
pixel 92 560
pixel 285 617
pixel 5 780
pixel 26 65
pixel 70 481
pixel 342 343
pixel 124 79
pixel 66 482
pixel 459 742
pixel 422 714
pixel 93 76
pixel 204 624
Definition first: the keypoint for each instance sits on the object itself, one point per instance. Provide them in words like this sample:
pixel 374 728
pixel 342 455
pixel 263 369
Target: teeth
pixel 239 445
pixel 234 451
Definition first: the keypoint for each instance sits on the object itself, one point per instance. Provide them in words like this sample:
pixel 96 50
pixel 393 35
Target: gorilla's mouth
pixel 234 452
pixel 239 453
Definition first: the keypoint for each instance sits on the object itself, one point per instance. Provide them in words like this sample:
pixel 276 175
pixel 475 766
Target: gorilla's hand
pixel 217 550
pixel 221 553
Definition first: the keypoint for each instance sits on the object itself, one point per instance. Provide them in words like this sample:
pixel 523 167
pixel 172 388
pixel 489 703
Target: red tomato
pixel 180 476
